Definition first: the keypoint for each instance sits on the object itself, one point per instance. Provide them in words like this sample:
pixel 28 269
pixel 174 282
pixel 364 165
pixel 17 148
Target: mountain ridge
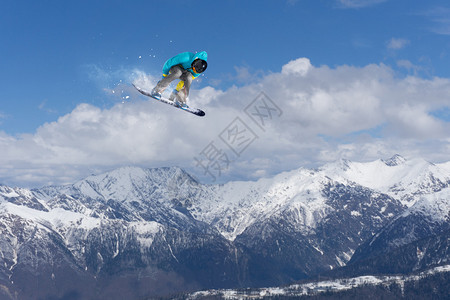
pixel 135 222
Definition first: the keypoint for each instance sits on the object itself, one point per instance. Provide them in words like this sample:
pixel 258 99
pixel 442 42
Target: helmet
pixel 199 65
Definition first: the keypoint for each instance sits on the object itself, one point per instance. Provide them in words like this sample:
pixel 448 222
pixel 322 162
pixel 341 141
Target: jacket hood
pixel 201 55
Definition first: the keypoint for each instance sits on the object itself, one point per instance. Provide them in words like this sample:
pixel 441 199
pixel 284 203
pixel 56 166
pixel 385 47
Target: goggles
pixel 199 65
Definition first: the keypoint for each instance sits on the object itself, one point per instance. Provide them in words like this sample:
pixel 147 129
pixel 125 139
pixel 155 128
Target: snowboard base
pixel 195 111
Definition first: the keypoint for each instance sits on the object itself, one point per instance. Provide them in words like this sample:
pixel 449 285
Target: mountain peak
pixel 127 183
pixel 395 160
pixel 139 173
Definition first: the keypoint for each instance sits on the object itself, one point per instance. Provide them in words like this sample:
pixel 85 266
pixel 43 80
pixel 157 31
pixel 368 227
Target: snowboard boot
pixel 155 94
pixel 175 97
pixel 180 103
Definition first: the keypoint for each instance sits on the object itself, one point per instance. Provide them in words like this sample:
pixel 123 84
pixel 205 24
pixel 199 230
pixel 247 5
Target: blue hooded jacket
pixel 184 59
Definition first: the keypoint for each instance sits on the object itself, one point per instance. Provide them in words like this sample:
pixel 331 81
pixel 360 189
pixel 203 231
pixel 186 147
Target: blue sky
pixel 58 55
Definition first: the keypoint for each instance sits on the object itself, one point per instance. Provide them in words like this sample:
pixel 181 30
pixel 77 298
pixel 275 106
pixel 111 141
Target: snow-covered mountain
pixel 420 236
pixel 403 179
pixel 160 230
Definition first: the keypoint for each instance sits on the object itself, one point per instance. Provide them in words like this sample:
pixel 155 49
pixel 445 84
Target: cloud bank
pixel 319 114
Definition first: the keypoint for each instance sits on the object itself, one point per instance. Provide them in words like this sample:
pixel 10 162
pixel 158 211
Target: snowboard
pixel 195 111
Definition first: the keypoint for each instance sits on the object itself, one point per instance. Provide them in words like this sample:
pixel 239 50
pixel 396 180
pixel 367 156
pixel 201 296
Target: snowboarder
pixel 185 66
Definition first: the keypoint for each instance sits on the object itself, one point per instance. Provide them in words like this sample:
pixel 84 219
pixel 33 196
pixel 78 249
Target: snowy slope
pixel 403 179
pixel 445 166
pixel 237 205
pixel 127 184
pixel 429 216
pixel 299 193
pixel 436 206
pixel 21 197
pixel 413 240
pixel 130 193
pixel 316 288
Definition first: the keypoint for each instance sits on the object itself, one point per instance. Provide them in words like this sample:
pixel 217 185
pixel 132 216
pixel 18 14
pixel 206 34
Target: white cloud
pixel 327 113
pixel 397 44
pixel 440 18
pixel 359 3
pixel 299 66
pixel 403 63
